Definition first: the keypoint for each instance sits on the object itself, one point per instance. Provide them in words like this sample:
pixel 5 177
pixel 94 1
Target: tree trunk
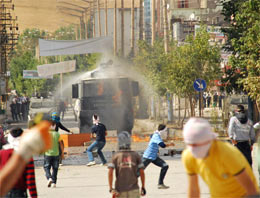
pixel 153 111
pixel 192 107
pixel 158 108
pixel 179 110
pixel 170 107
pixel 184 116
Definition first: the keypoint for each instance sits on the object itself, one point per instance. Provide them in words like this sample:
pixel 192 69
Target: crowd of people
pixel 225 167
pixel 212 100
pixel 20 108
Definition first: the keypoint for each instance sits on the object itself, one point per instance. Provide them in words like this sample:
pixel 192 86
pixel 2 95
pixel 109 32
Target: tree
pixel 197 58
pixel 247 48
pixel 24 62
pixel 24 59
pixel 176 71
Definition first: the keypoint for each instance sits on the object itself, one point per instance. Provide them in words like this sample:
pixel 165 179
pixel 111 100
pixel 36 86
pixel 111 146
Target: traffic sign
pixel 199 85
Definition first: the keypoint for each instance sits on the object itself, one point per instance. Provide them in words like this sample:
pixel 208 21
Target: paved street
pixel 75 179
pixel 83 181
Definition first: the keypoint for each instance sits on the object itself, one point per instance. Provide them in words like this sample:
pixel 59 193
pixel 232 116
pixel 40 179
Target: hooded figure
pixel 241 132
pixel 124 141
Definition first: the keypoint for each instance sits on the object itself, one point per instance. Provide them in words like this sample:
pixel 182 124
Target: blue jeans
pixel 51 162
pixel 99 146
pixel 158 162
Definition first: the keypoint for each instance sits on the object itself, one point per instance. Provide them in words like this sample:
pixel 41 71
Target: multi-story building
pixel 185 14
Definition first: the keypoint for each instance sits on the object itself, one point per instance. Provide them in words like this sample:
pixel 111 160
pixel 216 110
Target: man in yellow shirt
pixel 222 167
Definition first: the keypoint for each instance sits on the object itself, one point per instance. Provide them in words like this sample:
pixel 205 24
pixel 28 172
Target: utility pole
pixel 122 29
pixel 133 26
pixel 86 24
pixel 115 28
pixel 165 26
pixel 141 20
pixel 80 33
pixel 106 30
pixel 99 21
pixel 153 21
pixel 158 17
pixel 94 18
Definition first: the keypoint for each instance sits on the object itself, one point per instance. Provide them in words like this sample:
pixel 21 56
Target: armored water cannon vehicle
pixel 110 96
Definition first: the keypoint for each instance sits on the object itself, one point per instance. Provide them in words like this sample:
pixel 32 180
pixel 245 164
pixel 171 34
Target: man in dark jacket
pixel 241 132
pixel 100 132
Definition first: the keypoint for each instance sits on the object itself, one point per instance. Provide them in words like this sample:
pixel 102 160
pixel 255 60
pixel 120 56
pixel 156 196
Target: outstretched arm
pixel 63 127
pixel 194 190
pixel 11 172
pixel 34 141
pixel 247 183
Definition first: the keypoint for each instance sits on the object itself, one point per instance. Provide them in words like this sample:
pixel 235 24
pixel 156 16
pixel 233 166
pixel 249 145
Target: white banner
pixel 56 68
pixel 33 74
pixel 64 47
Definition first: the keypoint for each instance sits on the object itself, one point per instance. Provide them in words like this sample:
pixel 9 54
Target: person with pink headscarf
pixel 222 167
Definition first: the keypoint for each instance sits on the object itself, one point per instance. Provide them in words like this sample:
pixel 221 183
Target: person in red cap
pixel 222 166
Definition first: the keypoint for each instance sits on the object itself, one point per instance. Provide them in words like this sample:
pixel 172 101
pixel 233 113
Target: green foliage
pixel 243 41
pixel 24 62
pixel 176 71
pixel 151 61
pixel 245 61
pixel 23 58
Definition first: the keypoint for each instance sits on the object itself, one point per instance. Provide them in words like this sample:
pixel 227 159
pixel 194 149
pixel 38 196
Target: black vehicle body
pixel 110 98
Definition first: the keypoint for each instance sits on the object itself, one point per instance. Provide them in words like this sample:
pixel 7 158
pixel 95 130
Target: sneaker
pixel 91 163
pixel 49 183
pixel 105 164
pixel 53 185
pixel 162 186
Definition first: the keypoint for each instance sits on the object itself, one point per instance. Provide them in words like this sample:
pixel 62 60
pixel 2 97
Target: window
pixel 183 3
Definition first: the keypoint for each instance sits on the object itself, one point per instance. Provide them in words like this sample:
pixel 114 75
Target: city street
pixel 83 181
pixel 75 179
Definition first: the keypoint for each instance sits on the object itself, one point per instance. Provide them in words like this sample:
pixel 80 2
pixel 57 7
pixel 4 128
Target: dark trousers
pixel 14 116
pixel 51 162
pixel 158 162
pixel 14 193
pixel 245 148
